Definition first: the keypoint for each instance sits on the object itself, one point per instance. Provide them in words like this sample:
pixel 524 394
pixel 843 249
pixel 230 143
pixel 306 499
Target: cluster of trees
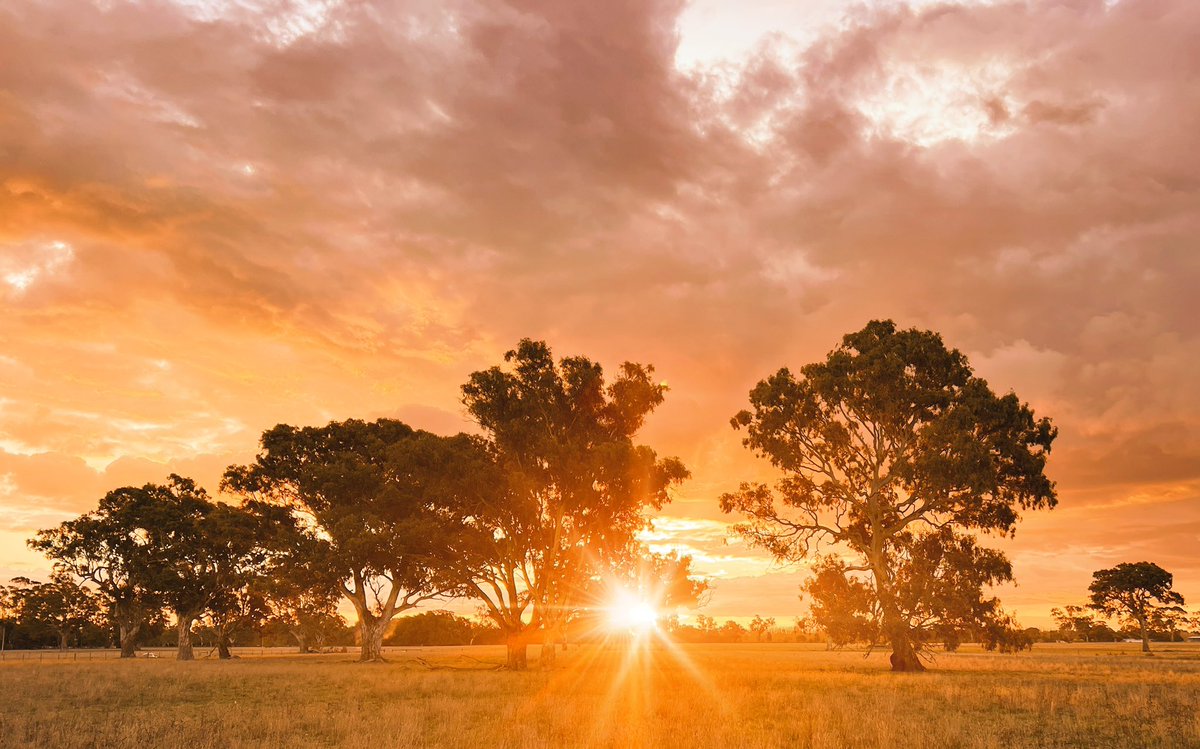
pixel 894 458
pixel 534 519
pixel 57 613
pixel 707 629
pixel 1140 597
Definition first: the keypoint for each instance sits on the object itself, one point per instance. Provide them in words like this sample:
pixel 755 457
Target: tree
pixel 1137 591
pixel 843 607
pixel 1075 622
pixel 576 486
pixel 731 631
pixel 61 606
pixel 109 548
pixel 202 553
pixel 889 449
pixel 432 628
pixel 762 627
pixel 376 506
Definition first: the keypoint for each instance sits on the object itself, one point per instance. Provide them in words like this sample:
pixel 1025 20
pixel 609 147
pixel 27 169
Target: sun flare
pixel 629 613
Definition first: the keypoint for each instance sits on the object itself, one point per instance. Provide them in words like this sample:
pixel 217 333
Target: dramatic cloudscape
pixel 218 215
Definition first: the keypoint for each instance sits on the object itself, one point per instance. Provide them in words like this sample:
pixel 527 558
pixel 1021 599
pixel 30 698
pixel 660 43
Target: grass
pixel 694 696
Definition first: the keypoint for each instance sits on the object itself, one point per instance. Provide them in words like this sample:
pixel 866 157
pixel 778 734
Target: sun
pixel 629 613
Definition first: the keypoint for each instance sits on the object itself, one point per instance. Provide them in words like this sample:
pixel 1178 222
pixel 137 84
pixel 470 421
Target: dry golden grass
pixel 696 696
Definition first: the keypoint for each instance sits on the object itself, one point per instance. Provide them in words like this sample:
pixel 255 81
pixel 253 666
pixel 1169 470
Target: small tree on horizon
pixel 761 627
pixel 1137 592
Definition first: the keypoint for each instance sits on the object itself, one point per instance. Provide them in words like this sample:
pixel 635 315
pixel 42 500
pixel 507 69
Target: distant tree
pixel 377 506
pixel 432 628
pixel 576 485
pixel 1004 634
pixel 762 627
pixel 61 606
pixel 706 624
pixel 8 617
pixel 731 631
pixel 889 441
pixel 110 548
pixel 1136 591
pixel 1075 622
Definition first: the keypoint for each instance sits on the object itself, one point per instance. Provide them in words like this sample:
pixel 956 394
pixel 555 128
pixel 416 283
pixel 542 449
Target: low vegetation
pixel 749 695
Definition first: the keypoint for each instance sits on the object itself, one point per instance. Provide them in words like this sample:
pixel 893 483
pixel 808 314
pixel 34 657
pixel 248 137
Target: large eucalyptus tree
pixel 891 450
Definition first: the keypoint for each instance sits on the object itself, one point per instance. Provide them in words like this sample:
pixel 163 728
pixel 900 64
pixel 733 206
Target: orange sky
pixel 216 216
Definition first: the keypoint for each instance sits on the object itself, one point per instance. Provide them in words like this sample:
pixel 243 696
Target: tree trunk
pixel 553 635
pixel 904 655
pixel 301 640
pixel 184 628
pixel 223 651
pixel 371 632
pixel 128 635
pixel 518 652
pixel 549 654
pixel 1145 635
pixel 62 639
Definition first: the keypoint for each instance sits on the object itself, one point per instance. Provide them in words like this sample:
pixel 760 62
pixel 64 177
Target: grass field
pixel 1085 696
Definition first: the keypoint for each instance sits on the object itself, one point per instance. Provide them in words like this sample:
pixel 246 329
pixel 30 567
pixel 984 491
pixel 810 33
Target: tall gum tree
pixel 1137 591
pixel 373 509
pixel 891 439
pixel 108 547
pixel 203 551
pixel 577 486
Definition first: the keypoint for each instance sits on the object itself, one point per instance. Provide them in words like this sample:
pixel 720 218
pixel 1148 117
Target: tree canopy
pixel 1137 591
pixel 890 450
pixel 576 485
pixel 375 507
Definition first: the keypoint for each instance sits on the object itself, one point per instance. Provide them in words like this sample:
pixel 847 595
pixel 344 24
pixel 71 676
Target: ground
pixel 1091 696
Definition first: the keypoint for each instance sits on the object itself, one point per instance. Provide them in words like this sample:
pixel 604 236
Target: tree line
pixel 893 459
pixel 534 520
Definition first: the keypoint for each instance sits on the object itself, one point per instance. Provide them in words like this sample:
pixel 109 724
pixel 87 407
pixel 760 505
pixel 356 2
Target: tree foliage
pixel 374 505
pixel 574 485
pixel 61 606
pixel 1139 592
pixel 889 449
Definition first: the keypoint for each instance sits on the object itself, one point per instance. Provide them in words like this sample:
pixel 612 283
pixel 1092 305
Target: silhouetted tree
pixel 762 627
pixel 575 485
pixel 202 553
pixel 109 548
pixel 432 628
pixel 731 631
pixel 1136 591
pixel 888 441
pixel 376 503
pixel 61 606
pixel 1075 622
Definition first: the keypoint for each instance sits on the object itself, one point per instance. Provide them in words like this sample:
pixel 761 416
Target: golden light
pixel 630 613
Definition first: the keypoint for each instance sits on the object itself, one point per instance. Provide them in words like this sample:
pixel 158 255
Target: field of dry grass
pixel 694 696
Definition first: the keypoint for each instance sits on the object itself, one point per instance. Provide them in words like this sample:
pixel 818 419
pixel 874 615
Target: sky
pixel 219 215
